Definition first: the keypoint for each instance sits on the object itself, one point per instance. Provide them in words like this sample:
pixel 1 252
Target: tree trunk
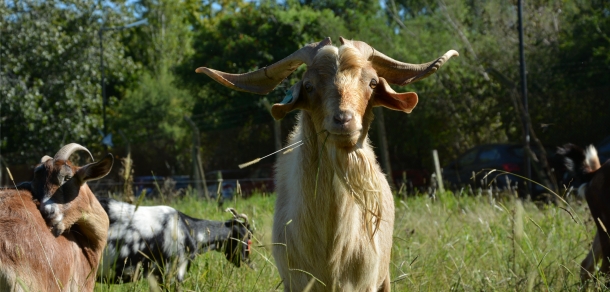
pixel 198 173
pixel 277 127
pixel 383 145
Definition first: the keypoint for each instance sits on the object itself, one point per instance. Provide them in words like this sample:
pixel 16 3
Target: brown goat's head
pixel 57 182
pixel 339 88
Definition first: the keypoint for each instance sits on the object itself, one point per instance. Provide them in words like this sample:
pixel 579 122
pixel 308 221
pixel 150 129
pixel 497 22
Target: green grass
pixel 458 243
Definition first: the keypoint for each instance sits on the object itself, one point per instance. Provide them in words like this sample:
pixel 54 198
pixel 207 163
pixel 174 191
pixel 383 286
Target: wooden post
pixel 198 173
pixel 383 145
pixel 437 168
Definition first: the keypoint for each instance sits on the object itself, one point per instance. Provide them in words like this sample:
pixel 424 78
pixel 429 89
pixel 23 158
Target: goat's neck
pixel 341 181
pixel 93 221
pixel 209 234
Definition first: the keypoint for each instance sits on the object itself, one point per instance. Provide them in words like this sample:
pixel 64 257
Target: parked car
pixel 472 166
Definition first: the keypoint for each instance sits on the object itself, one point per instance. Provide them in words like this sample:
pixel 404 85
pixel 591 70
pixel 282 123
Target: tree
pixel 51 77
pixel 151 113
pixel 239 42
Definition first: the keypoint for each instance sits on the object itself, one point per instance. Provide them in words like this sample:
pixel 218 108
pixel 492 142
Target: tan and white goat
pixel 334 213
pixel 52 229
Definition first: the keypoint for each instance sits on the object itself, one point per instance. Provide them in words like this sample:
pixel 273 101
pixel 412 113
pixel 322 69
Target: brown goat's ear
pixel 96 170
pixel 386 96
pixel 279 110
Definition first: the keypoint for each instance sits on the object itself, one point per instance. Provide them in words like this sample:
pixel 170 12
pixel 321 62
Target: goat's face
pixel 238 247
pixel 336 92
pixel 340 87
pixel 57 182
pixel 49 176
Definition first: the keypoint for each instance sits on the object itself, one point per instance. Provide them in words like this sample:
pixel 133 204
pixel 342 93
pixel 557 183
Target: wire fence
pixel 178 185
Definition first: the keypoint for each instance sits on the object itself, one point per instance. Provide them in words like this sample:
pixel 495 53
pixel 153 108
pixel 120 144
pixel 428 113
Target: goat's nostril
pixel 343 118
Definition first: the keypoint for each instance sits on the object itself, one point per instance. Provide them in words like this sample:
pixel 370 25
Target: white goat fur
pixel 327 236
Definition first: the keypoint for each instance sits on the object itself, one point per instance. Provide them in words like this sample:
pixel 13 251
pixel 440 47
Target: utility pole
pixel 101 35
pixel 526 130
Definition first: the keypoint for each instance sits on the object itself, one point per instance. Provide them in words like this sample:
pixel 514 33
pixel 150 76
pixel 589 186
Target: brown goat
pixel 65 259
pixel 585 165
pixel 334 213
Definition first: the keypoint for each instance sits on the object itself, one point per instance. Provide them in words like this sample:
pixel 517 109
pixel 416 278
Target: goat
pixel 52 229
pixel 161 240
pixel 585 165
pixel 334 212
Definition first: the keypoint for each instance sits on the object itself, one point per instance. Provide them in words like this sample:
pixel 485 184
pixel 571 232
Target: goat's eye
pixel 308 87
pixel 373 83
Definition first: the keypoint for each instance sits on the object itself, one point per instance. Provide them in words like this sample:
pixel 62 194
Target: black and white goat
pixel 164 241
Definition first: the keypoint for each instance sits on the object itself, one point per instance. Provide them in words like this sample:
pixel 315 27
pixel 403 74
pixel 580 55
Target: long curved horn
pixel 397 72
pixel 45 158
pixel 65 152
pixel 263 80
pixel 238 216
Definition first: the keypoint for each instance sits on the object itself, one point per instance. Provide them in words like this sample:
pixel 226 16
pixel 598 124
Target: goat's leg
pixel 589 263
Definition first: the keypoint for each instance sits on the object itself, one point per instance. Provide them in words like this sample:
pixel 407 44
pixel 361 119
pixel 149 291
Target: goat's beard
pixel 357 175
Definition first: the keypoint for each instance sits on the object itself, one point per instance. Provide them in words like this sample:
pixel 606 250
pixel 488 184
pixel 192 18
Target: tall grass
pixel 449 243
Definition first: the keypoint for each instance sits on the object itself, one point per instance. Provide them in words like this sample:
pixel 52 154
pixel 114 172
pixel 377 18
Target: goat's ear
pixel 386 96
pixel 96 170
pixel 279 110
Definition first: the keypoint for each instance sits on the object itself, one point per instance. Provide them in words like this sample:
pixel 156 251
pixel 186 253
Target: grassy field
pixel 450 243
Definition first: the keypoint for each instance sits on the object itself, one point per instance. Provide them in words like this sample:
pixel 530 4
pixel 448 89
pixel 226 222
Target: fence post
pixel 437 168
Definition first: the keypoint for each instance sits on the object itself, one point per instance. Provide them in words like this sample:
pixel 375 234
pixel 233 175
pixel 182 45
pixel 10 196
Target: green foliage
pixel 167 39
pixel 51 91
pixel 255 37
pixel 152 117
pixel 51 77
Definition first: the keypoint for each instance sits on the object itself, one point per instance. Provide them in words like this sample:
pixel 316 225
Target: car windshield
pixel 489 154
pixel 519 152
pixel 468 158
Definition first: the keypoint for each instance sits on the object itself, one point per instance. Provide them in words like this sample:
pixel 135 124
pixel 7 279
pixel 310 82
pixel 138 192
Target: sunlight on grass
pixel 453 242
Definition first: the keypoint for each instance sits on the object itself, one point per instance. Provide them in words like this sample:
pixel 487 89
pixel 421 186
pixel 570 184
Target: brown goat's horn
pixel 397 72
pixel 232 211
pixel 65 152
pixel 263 80
pixel 237 216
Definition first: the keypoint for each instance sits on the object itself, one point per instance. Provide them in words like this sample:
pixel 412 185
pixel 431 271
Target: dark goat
pixel 584 165
pixel 36 259
pixel 161 240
